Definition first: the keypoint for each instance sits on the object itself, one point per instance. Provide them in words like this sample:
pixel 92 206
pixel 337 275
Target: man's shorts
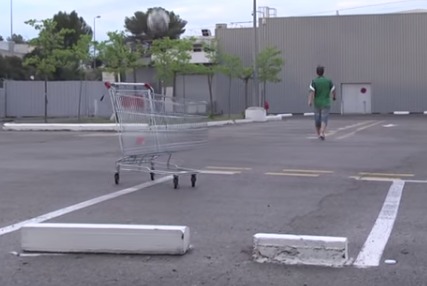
pixel 321 115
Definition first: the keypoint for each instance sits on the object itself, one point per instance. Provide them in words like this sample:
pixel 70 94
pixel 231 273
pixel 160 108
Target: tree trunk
pixel 264 93
pixel 134 75
pixel 210 78
pixel 229 97
pixel 246 93
pixel 80 100
pixel 183 86
pixel 45 99
pixel 174 85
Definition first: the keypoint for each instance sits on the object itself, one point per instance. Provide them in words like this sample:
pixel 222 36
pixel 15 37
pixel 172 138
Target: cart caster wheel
pixel 152 176
pixel 175 182
pixel 193 180
pixel 116 178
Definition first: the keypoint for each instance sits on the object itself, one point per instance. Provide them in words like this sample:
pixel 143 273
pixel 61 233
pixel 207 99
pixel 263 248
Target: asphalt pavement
pixel 273 177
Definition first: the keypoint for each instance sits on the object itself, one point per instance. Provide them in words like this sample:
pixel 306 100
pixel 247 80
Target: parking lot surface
pixel 273 177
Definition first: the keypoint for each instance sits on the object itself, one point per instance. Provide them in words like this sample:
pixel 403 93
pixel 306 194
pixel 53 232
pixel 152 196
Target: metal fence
pixel 68 99
pixel 2 102
pixel 64 99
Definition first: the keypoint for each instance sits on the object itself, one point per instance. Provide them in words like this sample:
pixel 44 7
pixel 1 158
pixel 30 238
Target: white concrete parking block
pixel 105 238
pixel 300 250
pixel 59 127
pixel 401 113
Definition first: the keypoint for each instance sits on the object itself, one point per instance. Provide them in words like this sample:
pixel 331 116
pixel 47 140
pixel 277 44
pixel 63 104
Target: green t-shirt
pixel 322 88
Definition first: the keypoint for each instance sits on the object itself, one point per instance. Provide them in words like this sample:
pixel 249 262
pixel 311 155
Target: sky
pixel 198 14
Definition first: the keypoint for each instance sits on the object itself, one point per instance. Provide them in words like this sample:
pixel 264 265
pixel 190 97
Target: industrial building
pixel 377 62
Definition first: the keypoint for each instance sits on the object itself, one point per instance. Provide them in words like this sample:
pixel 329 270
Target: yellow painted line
pixel 293 174
pixel 217 172
pixel 375 179
pixel 359 129
pixel 228 168
pixel 386 175
pixel 308 171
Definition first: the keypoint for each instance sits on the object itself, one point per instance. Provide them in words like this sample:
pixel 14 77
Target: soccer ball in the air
pixel 158 21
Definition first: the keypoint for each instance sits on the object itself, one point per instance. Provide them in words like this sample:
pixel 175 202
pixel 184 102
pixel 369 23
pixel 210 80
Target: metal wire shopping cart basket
pixel 152 127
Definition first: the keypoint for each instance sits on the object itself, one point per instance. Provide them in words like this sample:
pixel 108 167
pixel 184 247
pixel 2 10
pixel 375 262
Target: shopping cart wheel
pixel 193 180
pixel 152 176
pixel 116 178
pixel 175 182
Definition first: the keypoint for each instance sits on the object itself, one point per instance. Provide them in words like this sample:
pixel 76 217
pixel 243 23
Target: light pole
pixel 255 94
pixel 94 40
pixel 11 19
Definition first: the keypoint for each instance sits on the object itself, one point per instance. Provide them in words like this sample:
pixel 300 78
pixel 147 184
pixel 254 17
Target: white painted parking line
pixel 358 129
pixel 372 250
pixel 85 204
pixel 335 131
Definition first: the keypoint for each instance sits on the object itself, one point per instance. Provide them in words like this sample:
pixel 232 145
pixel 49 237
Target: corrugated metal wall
pixel 2 103
pixel 388 51
pixel 26 99
pixel 190 87
pixel 238 42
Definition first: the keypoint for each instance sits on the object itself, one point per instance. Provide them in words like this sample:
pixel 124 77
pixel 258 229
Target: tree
pixel 1 38
pixel 72 22
pixel 117 56
pixel 230 66
pixel 269 62
pixel 210 69
pixel 246 73
pixel 80 55
pixel 51 52
pixel 79 28
pixel 171 57
pixel 18 39
pixel 137 26
pixel 13 68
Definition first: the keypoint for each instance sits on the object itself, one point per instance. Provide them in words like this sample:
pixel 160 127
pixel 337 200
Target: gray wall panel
pixel 2 103
pixel 385 50
pixel 63 98
pixel 26 99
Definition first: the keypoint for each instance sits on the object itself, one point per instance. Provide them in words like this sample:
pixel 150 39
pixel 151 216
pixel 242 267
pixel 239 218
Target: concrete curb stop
pixel 300 250
pixel 105 239
pixel 59 127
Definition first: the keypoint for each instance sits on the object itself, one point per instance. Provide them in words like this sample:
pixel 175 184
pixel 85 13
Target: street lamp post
pixel 255 94
pixel 11 20
pixel 94 40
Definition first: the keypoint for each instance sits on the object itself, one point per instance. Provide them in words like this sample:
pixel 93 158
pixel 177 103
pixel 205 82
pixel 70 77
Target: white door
pixel 356 98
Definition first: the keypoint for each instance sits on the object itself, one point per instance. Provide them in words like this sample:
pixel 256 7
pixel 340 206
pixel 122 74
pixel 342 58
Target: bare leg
pixel 325 117
pixel 323 129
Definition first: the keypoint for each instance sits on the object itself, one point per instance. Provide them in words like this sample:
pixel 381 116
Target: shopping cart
pixel 152 127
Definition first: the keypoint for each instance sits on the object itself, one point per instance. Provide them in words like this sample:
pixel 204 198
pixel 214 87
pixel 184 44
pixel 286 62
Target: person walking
pixel 321 89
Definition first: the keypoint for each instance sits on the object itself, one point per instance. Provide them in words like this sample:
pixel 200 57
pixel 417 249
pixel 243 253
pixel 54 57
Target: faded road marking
pixel 85 204
pixel 359 129
pixel 293 174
